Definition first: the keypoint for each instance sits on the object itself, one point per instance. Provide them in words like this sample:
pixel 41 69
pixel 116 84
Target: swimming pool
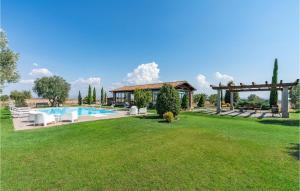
pixel 82 111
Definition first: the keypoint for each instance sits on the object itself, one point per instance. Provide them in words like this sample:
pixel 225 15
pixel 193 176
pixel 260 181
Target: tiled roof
pixel 152 86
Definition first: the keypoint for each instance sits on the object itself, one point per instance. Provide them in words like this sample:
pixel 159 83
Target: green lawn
pixel 197 152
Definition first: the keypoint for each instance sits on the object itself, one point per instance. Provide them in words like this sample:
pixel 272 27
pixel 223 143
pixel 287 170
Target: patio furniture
pixel 43 118
pixel 133 110
pixel 242 109
pixel 32 115
pixel 143 110
pixel 20 111
pixel 57 118
pixel 274 110
pixel 72 116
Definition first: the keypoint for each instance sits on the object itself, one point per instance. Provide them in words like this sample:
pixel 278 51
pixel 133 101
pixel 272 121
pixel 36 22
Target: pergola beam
pixel 254 86
pixel 253 89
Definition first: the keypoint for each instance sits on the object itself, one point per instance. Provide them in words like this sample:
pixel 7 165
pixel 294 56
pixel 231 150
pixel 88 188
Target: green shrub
pixel 295 97
pixel 142 98
pixel 196 97
pixel 259 103
pixel 168 116
pixel 168 100
pixel 201 101
pixel 213 99
pixel 185 102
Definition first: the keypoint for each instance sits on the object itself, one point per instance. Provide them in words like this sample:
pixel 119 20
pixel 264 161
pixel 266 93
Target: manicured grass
pixel 197 152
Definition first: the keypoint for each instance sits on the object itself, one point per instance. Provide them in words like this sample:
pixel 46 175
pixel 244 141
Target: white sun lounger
pixel 43 118
pixel 70 116
pixel 20 111
pixel 143 110
pixel 133 110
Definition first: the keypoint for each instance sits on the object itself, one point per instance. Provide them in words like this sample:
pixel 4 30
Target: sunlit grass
pixel 196 152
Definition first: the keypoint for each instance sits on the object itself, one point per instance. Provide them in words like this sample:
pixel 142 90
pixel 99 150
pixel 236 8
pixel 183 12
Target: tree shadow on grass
pixel 293 150
pixel 148 117
pixel 152 117
pixel 289 122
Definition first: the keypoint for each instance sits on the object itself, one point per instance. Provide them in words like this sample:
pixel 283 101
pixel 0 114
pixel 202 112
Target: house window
pixel 181 94
pixel 120 97
pixel 154 97
pixel 131 97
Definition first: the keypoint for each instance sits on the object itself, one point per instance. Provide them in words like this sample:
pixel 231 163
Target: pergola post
pixel 231 101
pixel 219 101
pixel 285 102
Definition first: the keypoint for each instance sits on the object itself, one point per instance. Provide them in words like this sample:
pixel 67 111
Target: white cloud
pixel 35 64
pixel 223 78
pixel 40 72
pixel 202 82
pixel 144 74
pixel 28 81
pixel 90 80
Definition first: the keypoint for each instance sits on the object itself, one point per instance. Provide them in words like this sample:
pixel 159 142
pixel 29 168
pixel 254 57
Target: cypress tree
pixel 274 94
pixel 105 98
pixel 236 96
pixel 102 95
pixel 94 95
pixel 90 98
pixel 185 102
pixel 79 99
pixel 201 101
pixel 227 96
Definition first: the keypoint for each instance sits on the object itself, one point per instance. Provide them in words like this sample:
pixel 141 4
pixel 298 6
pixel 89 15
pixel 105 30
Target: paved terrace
pixel 22 123
pixel 246 114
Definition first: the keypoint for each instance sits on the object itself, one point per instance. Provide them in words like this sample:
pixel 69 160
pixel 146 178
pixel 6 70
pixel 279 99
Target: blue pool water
pixel 82 111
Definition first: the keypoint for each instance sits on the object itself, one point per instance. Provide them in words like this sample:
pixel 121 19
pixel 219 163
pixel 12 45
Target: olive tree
pixel 295 97
pixel 168 100
pixel 213 98
pixel 8 63
pixel 142 98
pixel 54 88
pixel 20 97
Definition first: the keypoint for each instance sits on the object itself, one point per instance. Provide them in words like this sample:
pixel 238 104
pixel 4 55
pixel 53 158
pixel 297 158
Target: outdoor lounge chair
pixel 20 111
pixel 143 110
pixel 70 116
pixel 43 118
pixel 133 110
pixel 32 115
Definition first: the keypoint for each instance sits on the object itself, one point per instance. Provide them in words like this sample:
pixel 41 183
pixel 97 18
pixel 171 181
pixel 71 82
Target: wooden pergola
pixel 284 87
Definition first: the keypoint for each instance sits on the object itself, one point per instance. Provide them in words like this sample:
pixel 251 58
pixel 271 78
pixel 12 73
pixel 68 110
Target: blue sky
pixel 112 43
